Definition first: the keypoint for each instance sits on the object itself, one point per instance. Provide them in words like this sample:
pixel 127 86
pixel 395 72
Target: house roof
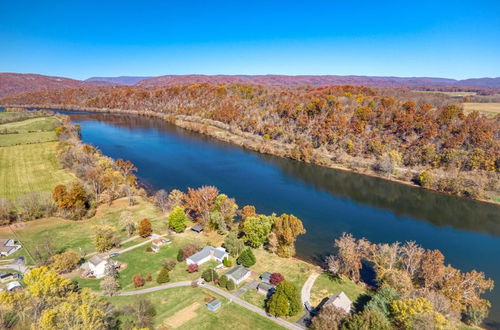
pixel 207 251
pixel 7 248
pixel 96 260
pixel 265 286
pixel 4 275
pixel 238 272
pixel 13 285
pixel 4 241
pixel 213 303
pixel 198 227
pixel 265 276
pixel 340 300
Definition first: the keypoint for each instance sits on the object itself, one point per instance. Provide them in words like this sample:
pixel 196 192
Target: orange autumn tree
pixel 145 229
pixel 200 201
pixel 287 228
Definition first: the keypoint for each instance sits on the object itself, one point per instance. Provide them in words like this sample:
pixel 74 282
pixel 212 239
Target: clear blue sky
pixel 455 39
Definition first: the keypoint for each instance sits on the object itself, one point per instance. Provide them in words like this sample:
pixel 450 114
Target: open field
pixel 30 167
pixel 68 234
pixel 492 108
pixel 326 286
pixel 184 308
pixel 38 124
pixel 26 138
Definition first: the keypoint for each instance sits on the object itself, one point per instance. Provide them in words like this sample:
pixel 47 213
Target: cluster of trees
pixel 101 179
pixel 49 301
pixel 285 301
pixel 395 132
pixel 219 212
pixel 416 288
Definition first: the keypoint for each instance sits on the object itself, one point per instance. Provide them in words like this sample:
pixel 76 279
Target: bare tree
pixel 411 256
pixel 128 223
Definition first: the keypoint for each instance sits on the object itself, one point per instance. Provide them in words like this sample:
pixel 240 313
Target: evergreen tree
pixel 163 276
pixel 246 258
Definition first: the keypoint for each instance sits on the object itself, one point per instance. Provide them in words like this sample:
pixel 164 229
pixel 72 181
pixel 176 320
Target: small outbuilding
pixel 198 228
pixel 265 277
pixel 265 288
pixel 238 274
pixel 159 242
pixel 214 304
pixel 340 300
pixel 8 246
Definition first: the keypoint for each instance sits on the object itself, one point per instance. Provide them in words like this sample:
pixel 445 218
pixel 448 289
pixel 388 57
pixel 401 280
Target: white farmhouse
pixel 206 254
pixel 97 266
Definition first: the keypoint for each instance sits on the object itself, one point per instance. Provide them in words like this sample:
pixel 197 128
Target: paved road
pixel 231 297
pixel 305 293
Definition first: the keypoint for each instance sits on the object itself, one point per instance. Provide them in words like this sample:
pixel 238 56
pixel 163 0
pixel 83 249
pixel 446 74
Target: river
pixel 328 201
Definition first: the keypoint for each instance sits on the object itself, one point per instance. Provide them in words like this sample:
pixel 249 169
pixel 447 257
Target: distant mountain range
pixel 327 80
pixel 15 83
pixel 122 80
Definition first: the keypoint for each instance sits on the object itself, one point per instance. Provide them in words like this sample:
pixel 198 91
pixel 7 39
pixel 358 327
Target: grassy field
pixel 485 108
pixel 26 138
pixel 38 124
pixel 326 286
pixel 30 167
pixel 68 234
pixel 184 308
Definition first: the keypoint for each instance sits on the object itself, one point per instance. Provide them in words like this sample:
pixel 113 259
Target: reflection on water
pixel 328 201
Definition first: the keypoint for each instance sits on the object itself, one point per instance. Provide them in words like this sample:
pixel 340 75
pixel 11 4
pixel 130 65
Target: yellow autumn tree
pixel 405 310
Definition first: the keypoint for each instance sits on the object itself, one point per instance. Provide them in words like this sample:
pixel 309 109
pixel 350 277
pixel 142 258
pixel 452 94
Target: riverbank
pixel 235 136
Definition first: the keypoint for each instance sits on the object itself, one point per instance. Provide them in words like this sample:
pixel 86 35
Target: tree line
pixel 426 139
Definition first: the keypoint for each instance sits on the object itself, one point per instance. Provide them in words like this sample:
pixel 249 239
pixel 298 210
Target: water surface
pixel 328 201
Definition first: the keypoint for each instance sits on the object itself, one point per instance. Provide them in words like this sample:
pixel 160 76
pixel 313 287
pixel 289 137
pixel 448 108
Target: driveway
pixel 246 287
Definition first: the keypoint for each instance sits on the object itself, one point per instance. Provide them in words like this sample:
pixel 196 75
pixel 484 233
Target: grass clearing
pixel 171 303
pixel 325 286
pixel 30 167
pixel 491 108
pixel 31 125
pixel 26 138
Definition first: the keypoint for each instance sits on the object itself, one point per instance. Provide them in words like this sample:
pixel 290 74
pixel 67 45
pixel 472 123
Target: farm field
pixel 26 138
pixel 492 108
pixel 184 308
pixel 30 167
pixel 38 124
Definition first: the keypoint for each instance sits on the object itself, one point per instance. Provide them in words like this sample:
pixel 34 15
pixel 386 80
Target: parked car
pixel 114 255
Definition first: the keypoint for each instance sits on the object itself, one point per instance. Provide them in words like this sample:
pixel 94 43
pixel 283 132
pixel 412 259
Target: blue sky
pixel 455 39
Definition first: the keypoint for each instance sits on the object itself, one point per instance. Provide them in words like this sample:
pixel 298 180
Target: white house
pixel 206 254
pixel 14 286
pixel 97 266
pixel 7 247
pixel 340 300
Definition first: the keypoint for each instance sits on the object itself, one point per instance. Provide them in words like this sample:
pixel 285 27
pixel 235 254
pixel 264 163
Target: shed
pixel 214 304
pixel 265 277
pixel 265 288
pixel 198 228
pixel 5 277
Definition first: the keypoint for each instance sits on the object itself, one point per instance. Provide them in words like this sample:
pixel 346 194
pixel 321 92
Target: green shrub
pixel 223 281
pixel 180 255
pixel 210 275
pixel 230 285
pixel 163 276
pixel 246 258
pixel 227 263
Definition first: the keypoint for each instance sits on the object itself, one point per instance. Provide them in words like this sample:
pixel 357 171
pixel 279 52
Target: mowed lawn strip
pixel 31 125
pixel 171 305
pixel 30 167
pixel 26 138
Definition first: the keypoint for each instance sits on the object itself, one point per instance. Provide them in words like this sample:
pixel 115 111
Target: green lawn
pixel 30 167
pixel 31 125
pixel 139 261
pixel 326 286
pixel 26 138
pixel 68 234
pixel 184 308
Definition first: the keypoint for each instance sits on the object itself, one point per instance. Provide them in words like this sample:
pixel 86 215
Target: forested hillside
pixel 427 139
